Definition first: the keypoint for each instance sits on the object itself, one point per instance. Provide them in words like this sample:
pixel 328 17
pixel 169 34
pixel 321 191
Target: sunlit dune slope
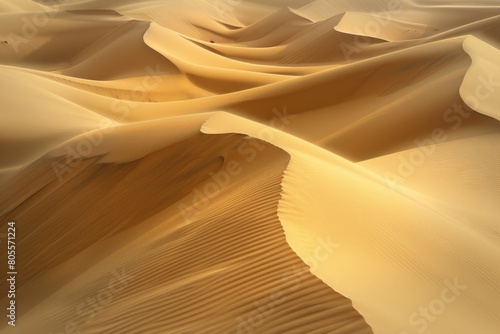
pixel 250 166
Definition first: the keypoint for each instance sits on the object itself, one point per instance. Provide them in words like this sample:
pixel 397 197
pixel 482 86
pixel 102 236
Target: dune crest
pixel 251 166
pixel 482 79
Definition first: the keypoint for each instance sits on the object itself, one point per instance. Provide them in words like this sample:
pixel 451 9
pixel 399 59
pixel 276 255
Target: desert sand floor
pixel 251 166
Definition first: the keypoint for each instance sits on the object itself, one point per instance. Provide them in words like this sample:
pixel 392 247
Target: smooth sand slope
pixel 252 167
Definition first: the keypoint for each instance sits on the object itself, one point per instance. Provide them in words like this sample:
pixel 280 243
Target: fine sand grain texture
pixel 250 166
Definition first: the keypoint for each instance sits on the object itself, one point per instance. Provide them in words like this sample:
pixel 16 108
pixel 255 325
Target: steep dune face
pixel 251 167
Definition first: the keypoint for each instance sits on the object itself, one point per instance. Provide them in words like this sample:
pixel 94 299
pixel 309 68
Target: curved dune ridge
pixel 247 166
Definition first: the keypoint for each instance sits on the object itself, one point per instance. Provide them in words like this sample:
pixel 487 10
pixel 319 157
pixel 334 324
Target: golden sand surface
pixel 250 166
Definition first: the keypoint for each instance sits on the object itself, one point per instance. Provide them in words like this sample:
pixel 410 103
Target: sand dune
pixel 245 166
pixel 374 247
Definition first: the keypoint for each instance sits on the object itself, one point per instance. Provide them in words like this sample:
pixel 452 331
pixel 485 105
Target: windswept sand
pixel 244 166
